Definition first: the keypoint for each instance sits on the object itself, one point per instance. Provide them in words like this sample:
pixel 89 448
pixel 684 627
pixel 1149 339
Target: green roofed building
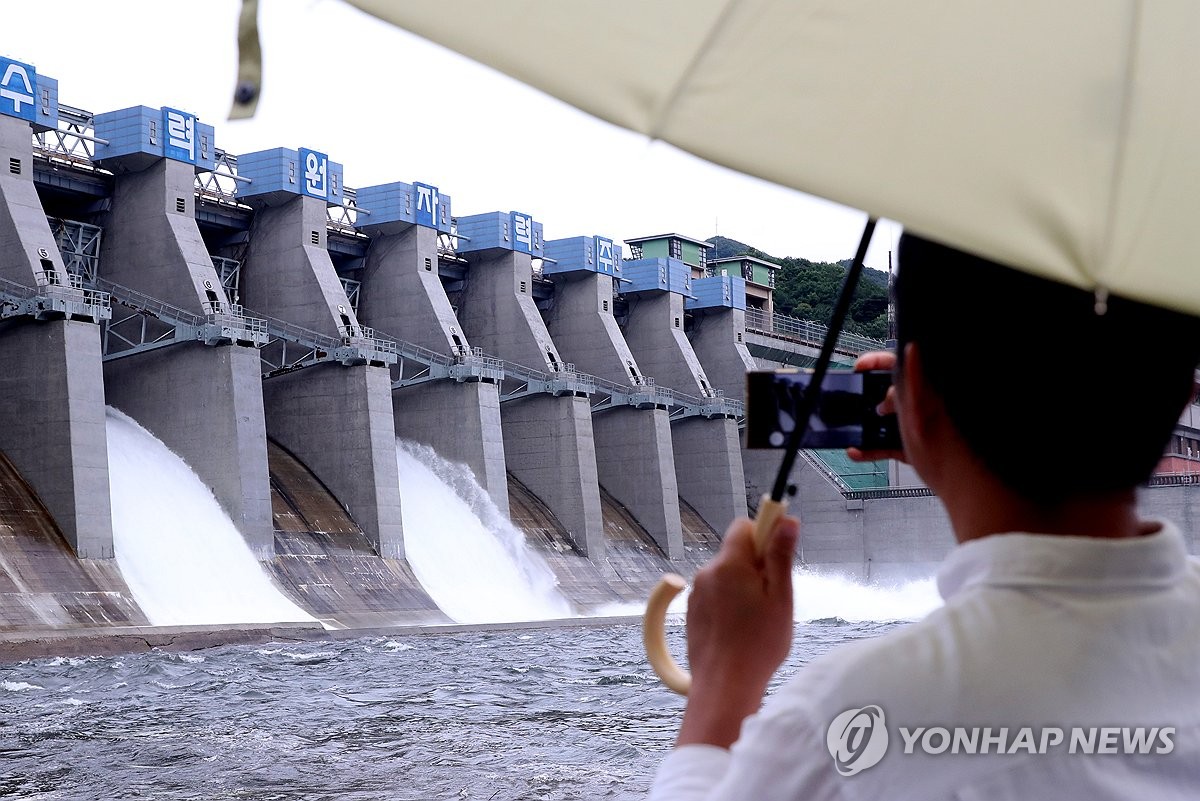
pixel 692 252
pixel 759 275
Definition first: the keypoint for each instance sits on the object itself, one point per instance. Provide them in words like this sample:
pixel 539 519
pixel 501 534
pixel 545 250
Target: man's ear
pixel 923 408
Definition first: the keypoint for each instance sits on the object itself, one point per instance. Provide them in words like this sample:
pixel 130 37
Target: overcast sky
pixel 392 107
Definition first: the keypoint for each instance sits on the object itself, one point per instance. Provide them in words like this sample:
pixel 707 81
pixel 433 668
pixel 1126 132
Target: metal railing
pixel 713 406
pixel 374 348
pixel 219 185
pixel 524 381
pixel 807 332
pixel 147 323
pixel 49 301
pixel 643 395
pixel 149 305
pixel 73 142
pixel 344 218
pixel 646 394
pixel 419 365
pixel 825 470
pixel 881 493
pixel 477 366
pixel 290 347
pixel 521 381
pixel 77 287
pixel 235 324
pixel 1173 480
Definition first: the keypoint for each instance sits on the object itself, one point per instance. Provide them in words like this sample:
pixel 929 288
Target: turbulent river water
pixel 571 712
pixel 559 713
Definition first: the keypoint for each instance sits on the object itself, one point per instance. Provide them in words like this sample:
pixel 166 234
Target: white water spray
pixel 820 597
pixel 471 560
pixel 182 557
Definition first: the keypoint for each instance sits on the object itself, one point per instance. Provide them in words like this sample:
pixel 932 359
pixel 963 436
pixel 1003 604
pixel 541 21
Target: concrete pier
pixel 634 457
pixel 29 254
pixel 708 460
pixel 336 419
pixel 403 296
pixel 548 439
pixel 51 390
pixel 718 332
pixel 204 403
pixel 52 404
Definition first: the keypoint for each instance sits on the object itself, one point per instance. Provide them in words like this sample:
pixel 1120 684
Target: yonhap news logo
pixel 858 738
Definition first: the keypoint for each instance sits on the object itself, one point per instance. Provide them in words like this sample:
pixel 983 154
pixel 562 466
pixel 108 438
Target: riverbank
pixel 110 641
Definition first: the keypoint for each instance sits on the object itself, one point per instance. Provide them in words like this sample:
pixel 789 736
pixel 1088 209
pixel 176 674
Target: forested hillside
pixel 808 289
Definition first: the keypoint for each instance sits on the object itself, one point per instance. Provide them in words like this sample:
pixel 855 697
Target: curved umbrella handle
pixel 654 636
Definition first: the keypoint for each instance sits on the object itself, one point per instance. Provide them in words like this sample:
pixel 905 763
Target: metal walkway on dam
pixel 279 331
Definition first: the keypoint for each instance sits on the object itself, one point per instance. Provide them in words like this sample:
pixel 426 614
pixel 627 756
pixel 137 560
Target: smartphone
pixel 845 415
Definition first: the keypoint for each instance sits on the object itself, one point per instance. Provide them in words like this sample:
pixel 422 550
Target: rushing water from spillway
pixel 180 554
pixel 472 561
pixel 536 715
pixel 186 563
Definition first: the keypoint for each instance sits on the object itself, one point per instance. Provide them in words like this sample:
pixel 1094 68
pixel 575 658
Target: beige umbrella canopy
pixel 1063 137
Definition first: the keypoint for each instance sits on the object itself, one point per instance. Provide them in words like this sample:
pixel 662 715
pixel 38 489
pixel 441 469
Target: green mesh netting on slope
pixel 856 475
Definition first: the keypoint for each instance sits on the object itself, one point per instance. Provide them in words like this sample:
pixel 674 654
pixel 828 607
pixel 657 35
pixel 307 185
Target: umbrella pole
pixel 772 506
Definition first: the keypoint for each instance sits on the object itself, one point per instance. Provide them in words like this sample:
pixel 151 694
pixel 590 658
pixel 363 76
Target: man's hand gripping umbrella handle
pixel 774 505
pixel 654 635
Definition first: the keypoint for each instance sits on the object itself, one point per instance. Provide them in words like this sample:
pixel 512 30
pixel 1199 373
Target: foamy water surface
pixel 552 714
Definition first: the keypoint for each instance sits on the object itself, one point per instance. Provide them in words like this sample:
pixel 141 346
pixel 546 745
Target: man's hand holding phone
pixel 878 360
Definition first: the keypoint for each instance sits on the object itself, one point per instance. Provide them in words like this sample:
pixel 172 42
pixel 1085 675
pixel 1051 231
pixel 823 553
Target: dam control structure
pixel 279 331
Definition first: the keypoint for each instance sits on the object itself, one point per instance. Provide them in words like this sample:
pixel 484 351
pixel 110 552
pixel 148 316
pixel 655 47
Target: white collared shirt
pixel 1038 632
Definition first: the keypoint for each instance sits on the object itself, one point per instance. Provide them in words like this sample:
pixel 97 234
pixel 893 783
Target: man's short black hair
pixel 1056 399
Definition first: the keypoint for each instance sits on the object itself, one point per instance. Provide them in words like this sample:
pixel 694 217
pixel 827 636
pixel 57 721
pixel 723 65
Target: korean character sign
pixel 180 127
pixel 427 205
pixel 605 259
pixel 522 227
pixel 314 171
pixel 18 88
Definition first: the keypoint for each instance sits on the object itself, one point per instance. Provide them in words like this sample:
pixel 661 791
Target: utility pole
pixel 891 305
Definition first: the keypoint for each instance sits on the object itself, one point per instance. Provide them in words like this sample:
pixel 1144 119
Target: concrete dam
pixel 393 414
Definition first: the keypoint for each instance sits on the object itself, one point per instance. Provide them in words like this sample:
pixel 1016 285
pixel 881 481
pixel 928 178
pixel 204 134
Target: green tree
pixel 808 290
